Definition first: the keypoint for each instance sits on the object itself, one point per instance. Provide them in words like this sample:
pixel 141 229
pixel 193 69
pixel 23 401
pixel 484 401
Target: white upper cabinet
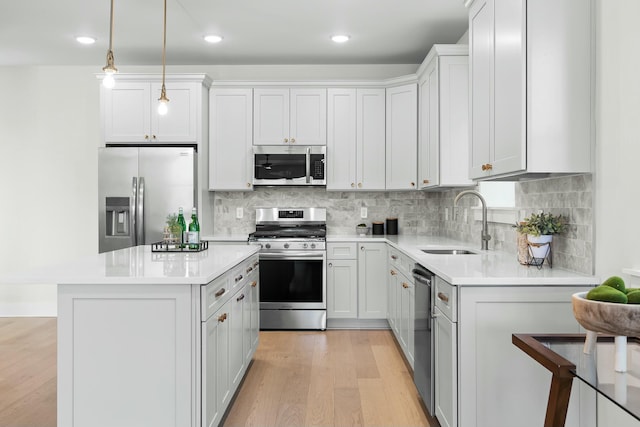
pixel 130 111
pixel 531 103
pixel 356 139
pixel 402 137
pixel 290 116
pixel 443 118
pixel 230 139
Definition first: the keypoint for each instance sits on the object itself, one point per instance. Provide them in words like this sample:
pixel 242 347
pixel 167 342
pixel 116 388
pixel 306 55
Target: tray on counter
pixel 175 247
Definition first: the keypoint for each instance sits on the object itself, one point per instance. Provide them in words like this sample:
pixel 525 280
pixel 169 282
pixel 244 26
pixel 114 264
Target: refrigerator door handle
pixel 132 211
pixel 140 209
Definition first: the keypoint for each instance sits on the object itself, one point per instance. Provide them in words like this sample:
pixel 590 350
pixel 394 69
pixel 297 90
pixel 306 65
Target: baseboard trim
pixel 357 324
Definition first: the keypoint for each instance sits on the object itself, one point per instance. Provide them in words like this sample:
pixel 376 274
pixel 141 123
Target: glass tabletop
pixel 597 369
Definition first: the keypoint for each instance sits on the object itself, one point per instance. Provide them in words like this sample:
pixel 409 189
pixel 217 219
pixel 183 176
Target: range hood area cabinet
pixel 230 139
pixel 129 110
pixel 443 132
pixel 356 139
pixel 287 116
pixel 531 103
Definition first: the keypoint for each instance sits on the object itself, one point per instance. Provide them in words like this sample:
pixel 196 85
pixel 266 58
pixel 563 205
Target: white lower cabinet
pixel 236 319
pixel 253 307
pixel 407 317
pixel 401 296
pixel 498 384
pixel 229 339
pixel 372 301
pixel 215 367
pixel 445 330
pixel 356 283
pixel 342 289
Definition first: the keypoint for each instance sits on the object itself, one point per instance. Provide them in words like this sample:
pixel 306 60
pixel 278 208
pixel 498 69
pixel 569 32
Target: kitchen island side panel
pixel 125 355
pixel 499 385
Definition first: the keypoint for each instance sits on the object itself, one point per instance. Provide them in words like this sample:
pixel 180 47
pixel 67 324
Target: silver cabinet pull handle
pixel 240 298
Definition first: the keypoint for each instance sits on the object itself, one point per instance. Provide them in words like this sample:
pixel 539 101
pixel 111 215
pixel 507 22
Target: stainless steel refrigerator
pixel 138 187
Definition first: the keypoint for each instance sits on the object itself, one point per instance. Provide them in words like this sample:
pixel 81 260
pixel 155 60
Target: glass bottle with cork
pixel 183 227
pixel 194 231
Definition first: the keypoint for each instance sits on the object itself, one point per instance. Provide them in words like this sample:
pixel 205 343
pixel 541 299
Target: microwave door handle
pixel 308 159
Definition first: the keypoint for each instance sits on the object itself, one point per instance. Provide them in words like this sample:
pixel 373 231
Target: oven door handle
pixel 292 255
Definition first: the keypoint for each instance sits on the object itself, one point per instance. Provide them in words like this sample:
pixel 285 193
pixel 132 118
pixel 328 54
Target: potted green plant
pixel 540 229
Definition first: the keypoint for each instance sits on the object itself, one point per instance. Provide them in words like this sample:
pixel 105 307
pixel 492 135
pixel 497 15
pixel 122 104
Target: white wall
pixel 49 134
pixel 617 241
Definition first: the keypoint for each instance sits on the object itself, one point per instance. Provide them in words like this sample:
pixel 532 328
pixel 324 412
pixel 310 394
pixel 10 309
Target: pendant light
pixel 109 69
pixel 163 105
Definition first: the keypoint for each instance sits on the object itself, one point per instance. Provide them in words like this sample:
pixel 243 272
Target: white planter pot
pixel 543 250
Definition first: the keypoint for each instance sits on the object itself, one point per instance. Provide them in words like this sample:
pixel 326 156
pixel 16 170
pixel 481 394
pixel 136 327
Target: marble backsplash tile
pixel 425 213
pixel 343 208
pixel 570 196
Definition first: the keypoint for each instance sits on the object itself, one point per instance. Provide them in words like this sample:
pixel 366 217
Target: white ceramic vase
pixel 539 246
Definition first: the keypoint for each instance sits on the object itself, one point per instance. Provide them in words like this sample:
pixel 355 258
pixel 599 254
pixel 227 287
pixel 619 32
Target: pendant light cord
pixel 110 67
pixel 111 29
pixel 163 95
pixel 164 41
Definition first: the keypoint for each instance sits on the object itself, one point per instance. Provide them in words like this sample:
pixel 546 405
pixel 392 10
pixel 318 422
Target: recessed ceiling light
pixel 86 40
pixel 339 38
pixel 212 38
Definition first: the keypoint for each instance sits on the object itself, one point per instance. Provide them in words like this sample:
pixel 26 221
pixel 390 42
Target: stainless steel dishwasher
pixel 424 347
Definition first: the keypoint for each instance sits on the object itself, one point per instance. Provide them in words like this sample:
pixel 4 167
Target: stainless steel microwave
pixel 289 165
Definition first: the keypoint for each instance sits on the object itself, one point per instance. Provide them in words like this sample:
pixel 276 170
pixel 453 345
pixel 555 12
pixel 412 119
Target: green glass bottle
pixel 183 226
pixel 194 230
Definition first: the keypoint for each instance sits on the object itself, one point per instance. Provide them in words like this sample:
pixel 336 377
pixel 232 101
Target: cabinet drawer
pixel 401 262
pixel 240 273
pixel 446 299
pixel 214 295
pixel 342 250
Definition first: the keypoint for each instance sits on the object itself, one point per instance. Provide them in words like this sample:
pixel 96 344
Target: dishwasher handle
pixel 420 277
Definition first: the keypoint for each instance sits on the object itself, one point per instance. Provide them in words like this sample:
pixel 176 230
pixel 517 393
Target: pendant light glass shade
pixel 163 105
pixel 110 69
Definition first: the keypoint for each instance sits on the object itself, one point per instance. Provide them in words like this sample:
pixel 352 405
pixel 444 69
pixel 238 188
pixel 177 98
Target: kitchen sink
pixel 448 252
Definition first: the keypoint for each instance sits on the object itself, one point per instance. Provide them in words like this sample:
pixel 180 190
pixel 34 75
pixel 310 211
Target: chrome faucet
pixel 485 234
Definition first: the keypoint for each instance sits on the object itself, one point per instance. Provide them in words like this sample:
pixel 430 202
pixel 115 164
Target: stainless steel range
pixel 293 256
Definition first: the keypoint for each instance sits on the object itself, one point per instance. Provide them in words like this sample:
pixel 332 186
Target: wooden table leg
pixel 561 379
pixel 558 400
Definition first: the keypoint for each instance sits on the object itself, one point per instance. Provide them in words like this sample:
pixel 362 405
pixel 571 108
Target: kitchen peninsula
pixel 155 338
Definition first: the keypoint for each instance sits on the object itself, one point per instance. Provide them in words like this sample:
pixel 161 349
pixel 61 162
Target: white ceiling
pixel 42 32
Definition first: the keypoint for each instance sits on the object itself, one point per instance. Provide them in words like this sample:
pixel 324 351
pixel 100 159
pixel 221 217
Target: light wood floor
pixel 28 372
pixel 333 378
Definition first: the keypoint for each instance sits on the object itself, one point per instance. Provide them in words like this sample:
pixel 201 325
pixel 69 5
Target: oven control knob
pixel 305 246
pixel 286 246
pixel 313 246
pixel 268 245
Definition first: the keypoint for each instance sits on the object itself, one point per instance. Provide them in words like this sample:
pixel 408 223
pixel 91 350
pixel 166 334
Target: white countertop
pixel 139 265
pixel 482 269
